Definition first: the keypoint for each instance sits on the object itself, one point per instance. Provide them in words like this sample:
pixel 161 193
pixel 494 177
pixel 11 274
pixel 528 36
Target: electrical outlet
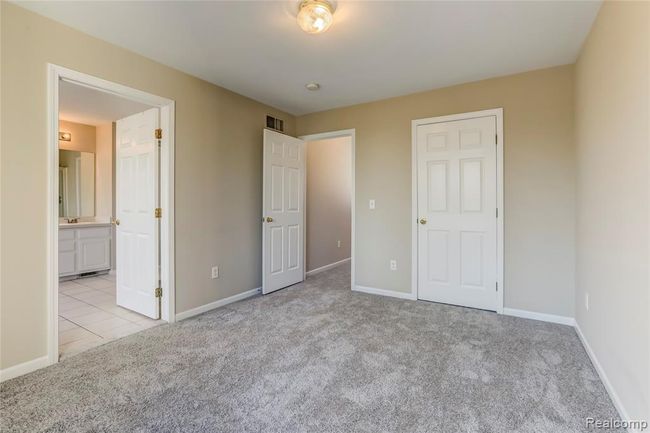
pixel 338 244
pixel 587 301
pixel 393 265
pixel 371 204
pixel 215 272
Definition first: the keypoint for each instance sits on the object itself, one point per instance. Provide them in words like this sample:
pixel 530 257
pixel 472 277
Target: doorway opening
pixel 308 208
pixel 110 229
pixel 329 206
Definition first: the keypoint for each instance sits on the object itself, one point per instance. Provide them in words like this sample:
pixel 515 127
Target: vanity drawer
pixel 94 233
pixel 66 245
pixel 67 234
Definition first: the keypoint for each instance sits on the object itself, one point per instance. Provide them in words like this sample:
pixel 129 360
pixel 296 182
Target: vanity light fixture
pixel 315 16
pixel 65 136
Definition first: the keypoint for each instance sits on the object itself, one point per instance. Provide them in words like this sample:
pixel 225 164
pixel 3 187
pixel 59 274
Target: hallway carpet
pixel 317 357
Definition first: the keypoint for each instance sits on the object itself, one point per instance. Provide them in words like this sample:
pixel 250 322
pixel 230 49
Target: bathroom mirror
pixel 76 184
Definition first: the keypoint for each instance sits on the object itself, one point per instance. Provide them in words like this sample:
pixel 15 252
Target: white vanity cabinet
pixel 66 252
pixel 84 248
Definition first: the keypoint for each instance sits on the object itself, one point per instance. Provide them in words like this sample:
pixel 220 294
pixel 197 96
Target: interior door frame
pixel 498 113
pixel 55 74
pixel 323 136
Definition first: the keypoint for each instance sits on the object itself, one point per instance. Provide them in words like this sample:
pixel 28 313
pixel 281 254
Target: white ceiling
pixel 374 50
pixel 84 105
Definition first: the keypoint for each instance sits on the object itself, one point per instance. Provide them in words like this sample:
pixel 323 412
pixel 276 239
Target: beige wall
pixel 104 170
pixel 612 120
pixel 83 136
pixel 328 201
pixel 218 173
pixel 539 181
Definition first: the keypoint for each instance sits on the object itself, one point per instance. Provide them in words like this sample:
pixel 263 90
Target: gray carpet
pixel 317 357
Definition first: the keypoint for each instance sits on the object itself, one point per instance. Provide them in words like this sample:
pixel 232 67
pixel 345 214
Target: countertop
pixel 80 224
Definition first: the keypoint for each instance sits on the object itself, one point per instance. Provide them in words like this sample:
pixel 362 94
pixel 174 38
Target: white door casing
pixel 56 74
pixel 283 211
pixel 457 248
pixel 137 187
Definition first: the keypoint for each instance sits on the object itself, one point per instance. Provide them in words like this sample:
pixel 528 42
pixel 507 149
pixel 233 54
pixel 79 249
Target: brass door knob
pixel 269 219
pixel 423 221
pixel 116 221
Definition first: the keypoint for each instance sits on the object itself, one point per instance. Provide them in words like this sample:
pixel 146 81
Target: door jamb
pixel 322 136
pixel 55 74
pixel 498 113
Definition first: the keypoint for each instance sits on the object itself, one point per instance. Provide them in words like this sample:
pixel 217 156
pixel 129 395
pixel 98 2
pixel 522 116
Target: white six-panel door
pixel 457 222
pixel 283 211
pixel 137 166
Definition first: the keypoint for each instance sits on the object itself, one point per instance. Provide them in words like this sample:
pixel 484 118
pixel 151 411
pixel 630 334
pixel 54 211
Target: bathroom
pixel 90 312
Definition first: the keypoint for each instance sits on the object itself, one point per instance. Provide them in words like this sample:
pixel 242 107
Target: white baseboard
pixel 384 292
pixel 327 267
pixel 562 320
pixel 603 377
pixel 216 304
pixel 570 321
pixel 24 368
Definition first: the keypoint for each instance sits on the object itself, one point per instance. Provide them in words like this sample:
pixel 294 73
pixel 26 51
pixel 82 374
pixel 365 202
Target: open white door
pixel 284 211
pixel 137 227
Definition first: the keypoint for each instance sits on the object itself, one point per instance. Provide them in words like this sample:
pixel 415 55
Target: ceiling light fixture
pixel 312 86
pixel 315 16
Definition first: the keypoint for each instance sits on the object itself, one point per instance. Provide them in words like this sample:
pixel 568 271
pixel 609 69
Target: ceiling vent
pixel 273 123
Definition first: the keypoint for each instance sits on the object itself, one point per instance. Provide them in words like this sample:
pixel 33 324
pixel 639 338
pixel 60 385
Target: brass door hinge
pixel 158 212
pixel 158 134
pixel 158 292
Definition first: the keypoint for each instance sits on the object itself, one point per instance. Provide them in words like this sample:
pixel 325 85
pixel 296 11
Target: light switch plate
pixel 371 204
pixel 215 272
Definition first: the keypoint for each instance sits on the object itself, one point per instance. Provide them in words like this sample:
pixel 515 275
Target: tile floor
pixel 89 316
